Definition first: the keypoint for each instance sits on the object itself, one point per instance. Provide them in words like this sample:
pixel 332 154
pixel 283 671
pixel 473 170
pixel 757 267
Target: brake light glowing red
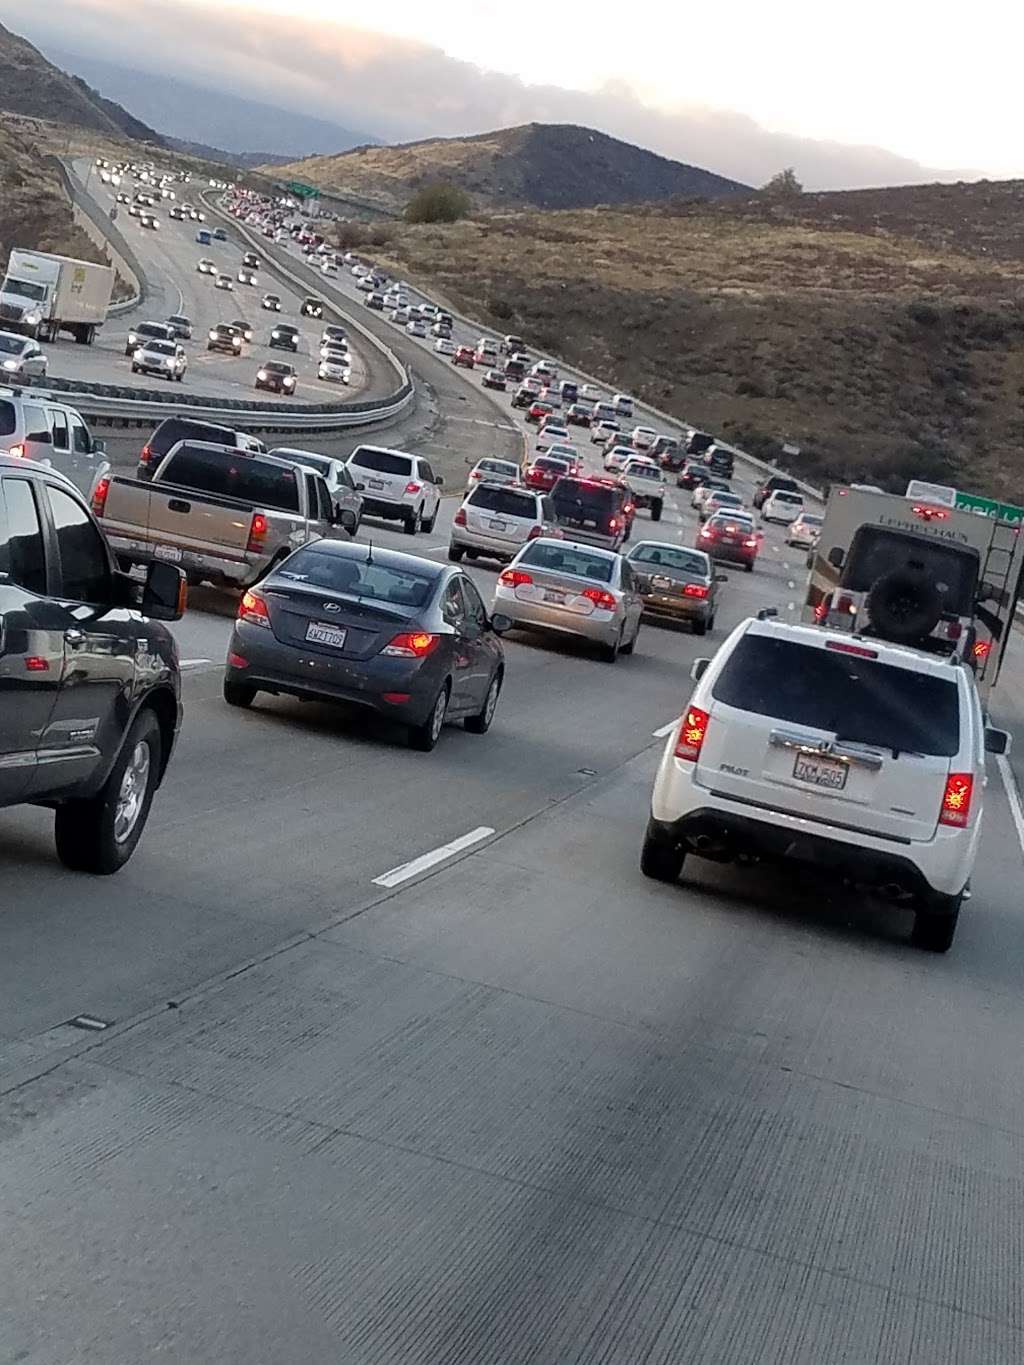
pixel 613 524
pixel 929 513
pixel 415 644
pixel 982 649
pixel 956 800
pixel 145 454
pixel 253 609
pixel 693 729
pixel 514 578
pixel 257 533
pixel 858 651
pixel 99 496
pixel 751 543
pixel 460 517
pixel 35 663
pixel 695 590
pixel 601 599
pixel 821 610
pixel 238 660
pixel 534 532
pixel 412 486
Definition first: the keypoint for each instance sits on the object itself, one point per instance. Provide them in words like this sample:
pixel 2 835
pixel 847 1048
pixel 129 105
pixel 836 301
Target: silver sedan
pixel 563 587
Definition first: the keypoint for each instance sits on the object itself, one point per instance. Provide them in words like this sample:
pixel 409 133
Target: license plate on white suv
pixel 319 633
pixel 820 772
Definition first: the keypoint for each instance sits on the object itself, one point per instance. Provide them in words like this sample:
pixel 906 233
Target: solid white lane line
pixel 194 663
pixel 397 875
pixel 1012 795
pixel 665 729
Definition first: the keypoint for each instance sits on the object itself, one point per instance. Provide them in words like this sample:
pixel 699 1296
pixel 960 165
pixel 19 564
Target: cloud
pixel 404 90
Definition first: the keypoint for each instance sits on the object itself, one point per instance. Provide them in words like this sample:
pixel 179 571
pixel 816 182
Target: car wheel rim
pixel 132 794
pixel 437 719
pixel 491 702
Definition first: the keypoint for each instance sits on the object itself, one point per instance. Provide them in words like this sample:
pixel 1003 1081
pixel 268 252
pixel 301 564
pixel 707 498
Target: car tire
pixel 935 923
pixel 424 737
pixel 631 646
pixel 353 530
pixel 610 653
pixel 414 522
pixel 239 694
pixel 700 627
pixel 748 568
pixel 655 511
pixel 90 834
pixel 481 722
pixel 660 861
pixel 455 553
pixel 428 526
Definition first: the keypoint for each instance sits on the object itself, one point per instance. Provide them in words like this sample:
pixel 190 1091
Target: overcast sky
pixel 881 92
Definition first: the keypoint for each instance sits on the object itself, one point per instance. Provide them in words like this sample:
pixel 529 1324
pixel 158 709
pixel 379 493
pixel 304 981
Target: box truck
pixel 43 294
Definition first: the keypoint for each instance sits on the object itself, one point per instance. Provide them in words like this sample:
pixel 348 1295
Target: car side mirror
pixel 721 578
pixel 99 447
pixel 500 623
pixel 698 668
pixel 360 487
pixel 165 593
pixel 439 481
pixel 997 741
pixel 836 556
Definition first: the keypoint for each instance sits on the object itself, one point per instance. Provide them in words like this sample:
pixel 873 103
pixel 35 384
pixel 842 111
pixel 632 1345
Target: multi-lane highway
pixel 407 1063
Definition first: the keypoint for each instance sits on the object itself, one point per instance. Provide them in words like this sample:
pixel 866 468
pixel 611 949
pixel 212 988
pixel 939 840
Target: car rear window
pixel 506 502
pixel 642 471
pixel 782 496
pixel 231 474
pixel 551 464
pixel 374 581
pixel 573 497
pixel 668 560
pixel 174 429
pixel 862 700
pixel 383 461
pixel 8 418
pixel 722 499
pixel 503 467
pixel 570 559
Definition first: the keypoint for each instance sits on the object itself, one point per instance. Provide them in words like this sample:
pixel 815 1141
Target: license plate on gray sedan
pixel 820 772
pixel 319 633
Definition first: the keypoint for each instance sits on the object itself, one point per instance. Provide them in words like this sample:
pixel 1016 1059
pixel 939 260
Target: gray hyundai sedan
pixel 402 635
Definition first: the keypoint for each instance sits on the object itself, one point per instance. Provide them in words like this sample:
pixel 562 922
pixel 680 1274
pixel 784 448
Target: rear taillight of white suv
pixel 693 728
pixel 956 800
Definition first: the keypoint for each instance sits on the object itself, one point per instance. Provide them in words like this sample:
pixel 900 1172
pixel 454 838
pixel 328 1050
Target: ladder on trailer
pixel 1001 573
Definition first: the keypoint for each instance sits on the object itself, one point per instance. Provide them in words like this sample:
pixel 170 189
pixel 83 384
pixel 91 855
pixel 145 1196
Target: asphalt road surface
pixel 519 1105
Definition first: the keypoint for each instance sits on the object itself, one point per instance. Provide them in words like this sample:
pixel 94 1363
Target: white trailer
pixel 43 294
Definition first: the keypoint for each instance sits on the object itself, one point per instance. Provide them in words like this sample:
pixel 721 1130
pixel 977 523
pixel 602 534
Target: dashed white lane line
pixel 665 729
pixel 397 875
pixel 1012 795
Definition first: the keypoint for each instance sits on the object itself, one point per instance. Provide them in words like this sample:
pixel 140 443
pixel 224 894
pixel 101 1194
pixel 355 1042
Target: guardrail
pixel 104 224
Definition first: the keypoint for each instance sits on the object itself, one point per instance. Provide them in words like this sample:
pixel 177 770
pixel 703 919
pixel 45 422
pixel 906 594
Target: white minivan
pixel 862 758
pixel 398 486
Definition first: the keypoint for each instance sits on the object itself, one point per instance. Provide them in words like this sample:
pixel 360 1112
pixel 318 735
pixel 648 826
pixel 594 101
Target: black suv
pixel 147 331
pixel 720 461
pixel 772 485
pixel 174 429
pixel 89 683
pixel 225 336
pixel 592 511
pixel 311 307
pixel 285 336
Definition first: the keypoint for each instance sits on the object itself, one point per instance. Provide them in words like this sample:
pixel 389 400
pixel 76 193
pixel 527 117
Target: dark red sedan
pixel 731 537
pixel 545 472
pixel 464 356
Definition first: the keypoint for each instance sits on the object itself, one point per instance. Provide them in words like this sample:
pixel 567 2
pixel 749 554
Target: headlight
pixel 289 382
pixel 11 364
pixel 262 374
pixel 171 362
pixel 276 336
pixel 139 354
pixel 237 343
pixel 133 339
pixel 213 336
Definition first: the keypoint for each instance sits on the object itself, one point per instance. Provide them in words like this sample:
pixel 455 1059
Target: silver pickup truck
pixel 223 515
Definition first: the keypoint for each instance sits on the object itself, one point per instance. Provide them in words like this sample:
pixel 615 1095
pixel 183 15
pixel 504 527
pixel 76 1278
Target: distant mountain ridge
pixel 213 118
pixel 30 84
pixel 535 165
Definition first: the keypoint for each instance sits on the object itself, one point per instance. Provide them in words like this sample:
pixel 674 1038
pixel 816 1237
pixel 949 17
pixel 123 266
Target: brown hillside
pixel 882 332
pixel 537 165
pixel 33 210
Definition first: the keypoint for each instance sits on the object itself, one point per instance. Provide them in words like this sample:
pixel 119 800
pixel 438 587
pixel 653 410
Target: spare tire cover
pixel 903 605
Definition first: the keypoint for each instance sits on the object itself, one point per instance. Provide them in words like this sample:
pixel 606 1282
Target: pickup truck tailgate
pixel 163 515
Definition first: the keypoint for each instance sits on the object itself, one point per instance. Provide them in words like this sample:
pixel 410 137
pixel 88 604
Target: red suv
pixel 464 356
pixel 538 412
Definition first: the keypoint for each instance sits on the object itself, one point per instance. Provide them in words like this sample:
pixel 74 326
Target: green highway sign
pixel 303 191
pixel 988 507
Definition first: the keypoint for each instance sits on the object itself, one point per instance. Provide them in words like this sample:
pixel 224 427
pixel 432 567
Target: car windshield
pixel 569 559
pixel 12 345
pixel 179 321
pixel 152 329
pixel 673 562
pixel 862 701
pixel 373 580
pixel 505 502
pixel 26 289
pixel 275 367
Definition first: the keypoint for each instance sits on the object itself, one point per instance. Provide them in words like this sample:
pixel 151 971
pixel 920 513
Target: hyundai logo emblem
pixel 331 606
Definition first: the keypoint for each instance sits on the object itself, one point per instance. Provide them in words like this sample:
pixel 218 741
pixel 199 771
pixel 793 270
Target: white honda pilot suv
pixel 862 757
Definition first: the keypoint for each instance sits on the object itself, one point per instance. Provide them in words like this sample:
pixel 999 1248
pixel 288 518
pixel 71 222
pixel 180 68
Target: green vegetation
pixel 438 203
